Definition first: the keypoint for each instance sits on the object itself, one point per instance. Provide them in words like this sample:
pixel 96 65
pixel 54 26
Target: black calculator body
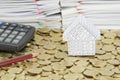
pixel 14 36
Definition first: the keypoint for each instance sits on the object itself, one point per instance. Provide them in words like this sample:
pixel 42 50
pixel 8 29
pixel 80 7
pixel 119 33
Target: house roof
pixel 89 26
pixel 79 28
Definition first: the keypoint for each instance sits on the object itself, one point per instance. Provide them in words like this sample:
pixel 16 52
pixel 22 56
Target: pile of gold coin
pixel 53 62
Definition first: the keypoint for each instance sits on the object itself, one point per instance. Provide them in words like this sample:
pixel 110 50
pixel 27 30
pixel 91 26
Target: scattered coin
pixel 108 48
pixel 57 67
pixel 33 77
pixel 46 62
pixel 113 62
pixel 20 77
pixel 44 30
pixel 90 73
pixel 44 78
pixel 54 77
pixel 100 52
pixel 110 35
pixel 44 56
pixel 77 69
pixel 56 39
pixel 49 46
pixel 117 42
pixel 53 63
pixel 98 63
pixel 106 72
pixel 15 70
pixel 47 68
pixel 45 74
pixel 106 56
pixel 107 41
pixel 71 76
pixel 60 54
pixel 8 77
pixel 35 70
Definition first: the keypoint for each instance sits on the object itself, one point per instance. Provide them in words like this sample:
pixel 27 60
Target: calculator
pixel 14 36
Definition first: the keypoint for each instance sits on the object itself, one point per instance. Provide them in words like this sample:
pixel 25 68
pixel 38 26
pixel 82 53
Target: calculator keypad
pixel 12 32
pixel 14 36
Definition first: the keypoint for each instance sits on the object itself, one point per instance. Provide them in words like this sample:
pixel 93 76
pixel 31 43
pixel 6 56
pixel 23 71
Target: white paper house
pixel 81 36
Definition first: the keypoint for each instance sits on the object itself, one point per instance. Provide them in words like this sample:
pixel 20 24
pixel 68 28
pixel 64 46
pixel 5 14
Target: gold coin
pixel 44 78
pixel 82 63
pixel 71 76
pixel 113 62
pixel 110 35
pixel 56 39
pixel 77 69
pixel 20 77
pixel 57 67
pixel 116 70
pixel 105 78
pixel 32 77
pixel 108 48
pixel 107 41
pixel 34 70
pixel 90 73
pixel 106 56
pixel 54 77
pixel 60 54
pixel 106 72
pixel 55 34
pixel 44 30
pixel 47 68
pixel 98 63
pixel 46 62
pixel 49 46
pixel 44 56
pixel 8 77
pixel 15 70
pixel 117 42
pixel 45 74
pixel 100 52
pixel 57 30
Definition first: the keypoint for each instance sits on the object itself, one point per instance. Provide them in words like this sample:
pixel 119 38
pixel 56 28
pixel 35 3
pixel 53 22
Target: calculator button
pixel 21 29
pixel 28 26
pixel 4 35
pixel 24 29
pixel 13 24
pixel 8 40
pixel 3 27
pixel 6 24
pixel 15 41
pixel 20 26
pixel 1 23
pixel 1 30
pixel 15 32
pixel 19 37
pixel 1 39
pixel 10 27
pixel 11 36
pixel 17 29
pixel 22 33
pixel 7 31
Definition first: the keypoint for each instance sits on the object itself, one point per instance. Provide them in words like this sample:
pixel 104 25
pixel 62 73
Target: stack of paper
pixel 21 11
pixel 31 12
pixel 100 12
pixel 50 9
